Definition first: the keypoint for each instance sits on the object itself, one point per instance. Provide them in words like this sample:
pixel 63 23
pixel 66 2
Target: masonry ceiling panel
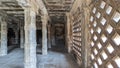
pixel 58 6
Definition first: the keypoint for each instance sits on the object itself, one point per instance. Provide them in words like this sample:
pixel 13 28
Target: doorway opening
pixel 39 41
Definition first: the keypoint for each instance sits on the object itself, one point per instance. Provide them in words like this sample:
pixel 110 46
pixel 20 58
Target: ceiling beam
pixel 7 0
pixel 11 8
pixel 15 12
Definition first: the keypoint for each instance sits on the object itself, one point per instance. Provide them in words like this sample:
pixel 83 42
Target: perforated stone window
pixel 99 45
pixel 91 18
pixel 104 55
pixel 92 56
pixel 110 65
pixel 92 44
pixel 95 37
pixel 105 34
pixel 95 24
pixel 108 10
pixel 98 15
pixel 95 65
pixel 104 38
pixel 116 39
pixel 109 29
pixel 91 31
pixel 102 4
pixel 110 48
pixel 94 10
pixel 76 34
pixel 95 51
pixel 99 61
pixel 103 21
pixel 117 61
pixel 99 30
pixel 116 17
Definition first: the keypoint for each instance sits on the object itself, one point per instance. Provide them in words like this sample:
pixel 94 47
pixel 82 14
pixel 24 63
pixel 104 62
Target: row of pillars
pixel 30 38
pixel 29 41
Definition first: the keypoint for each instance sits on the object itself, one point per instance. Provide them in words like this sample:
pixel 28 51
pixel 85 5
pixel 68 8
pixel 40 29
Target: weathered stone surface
pixel 44 34
pixel 22 37
pixel 30 38
pixel 49 36
pixel 3 36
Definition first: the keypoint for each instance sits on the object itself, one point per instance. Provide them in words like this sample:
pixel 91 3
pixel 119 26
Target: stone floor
pixel 54 59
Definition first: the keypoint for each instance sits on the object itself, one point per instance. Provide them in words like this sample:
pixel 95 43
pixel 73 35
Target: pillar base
pixel 44 52
pixel 30 65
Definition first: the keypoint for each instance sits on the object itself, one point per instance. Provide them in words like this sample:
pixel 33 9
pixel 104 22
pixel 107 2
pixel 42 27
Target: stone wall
pixel 77 32
pixel 95 33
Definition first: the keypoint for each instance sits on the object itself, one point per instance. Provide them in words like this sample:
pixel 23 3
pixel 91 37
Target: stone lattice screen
pixel 76 28
pixel 105 34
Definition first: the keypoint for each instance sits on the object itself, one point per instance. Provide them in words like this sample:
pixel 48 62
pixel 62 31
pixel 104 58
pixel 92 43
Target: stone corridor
pixel 59 33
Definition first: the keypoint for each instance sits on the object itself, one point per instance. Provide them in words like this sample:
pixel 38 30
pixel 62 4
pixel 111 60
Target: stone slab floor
pixel 54 59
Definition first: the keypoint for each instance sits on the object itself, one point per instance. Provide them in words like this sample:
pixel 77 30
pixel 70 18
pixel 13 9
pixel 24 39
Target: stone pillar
pixel 85 13
pixel 21 35
pixel 68 35
pixel 49 36
pixel 16 36
pixel 30 39
pixel 3 46
pixel 44 34
pixel 53 35
pixel 86 37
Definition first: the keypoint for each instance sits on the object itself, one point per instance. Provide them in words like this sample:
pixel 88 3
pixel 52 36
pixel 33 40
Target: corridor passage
pixel 59 33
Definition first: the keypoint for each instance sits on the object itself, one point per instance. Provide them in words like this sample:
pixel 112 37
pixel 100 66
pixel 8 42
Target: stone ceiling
pixel 57 8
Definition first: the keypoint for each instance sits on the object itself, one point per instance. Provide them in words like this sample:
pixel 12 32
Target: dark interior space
pixel 39 36
pixel 59 36
pixel 39 41
pixel 11 36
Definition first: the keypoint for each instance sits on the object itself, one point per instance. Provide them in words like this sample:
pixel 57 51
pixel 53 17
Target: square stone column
pixel 53 35
pixel 3 45
pixel 68 32
pixel 30 39
pixel 16 36
pixel 49 36
pixel 44 34
pixel 21 35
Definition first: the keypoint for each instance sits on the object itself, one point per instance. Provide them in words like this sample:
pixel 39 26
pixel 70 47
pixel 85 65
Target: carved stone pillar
pixel 16 36
pixel 49 36
pixel 53 35
pixel 3 36
pixel 30 39
pixel 68 38
pixel 21 35
pixel 44 34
